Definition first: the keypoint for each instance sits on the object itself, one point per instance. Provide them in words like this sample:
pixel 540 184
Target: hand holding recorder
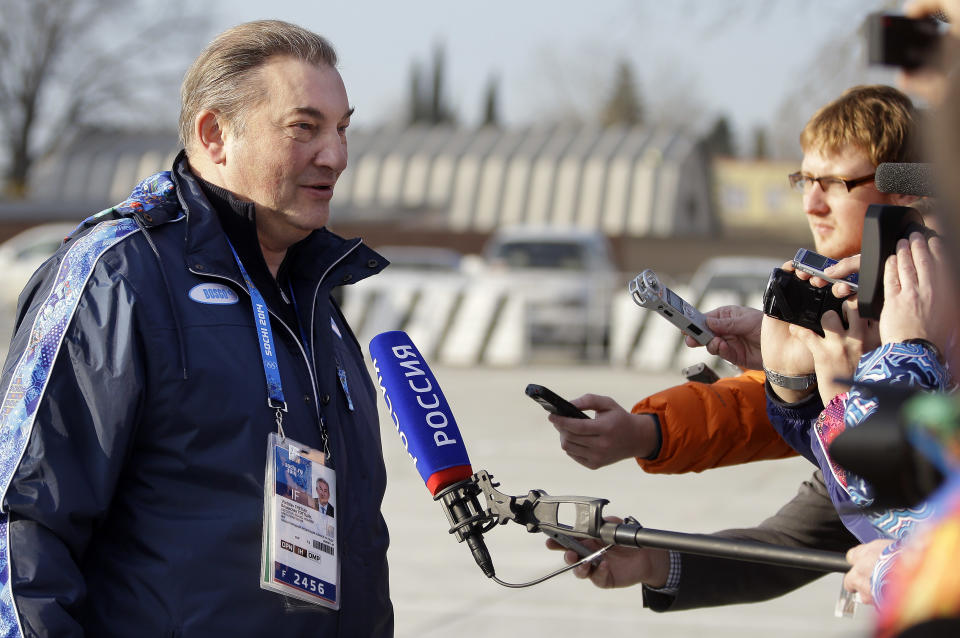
pixel 807 262
pixel 730 332
pixel 837 275
pixel 920 300
pixel 736 338
pixel 647 292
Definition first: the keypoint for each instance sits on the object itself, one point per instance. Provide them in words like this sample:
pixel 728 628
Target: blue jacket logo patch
pixel 213 294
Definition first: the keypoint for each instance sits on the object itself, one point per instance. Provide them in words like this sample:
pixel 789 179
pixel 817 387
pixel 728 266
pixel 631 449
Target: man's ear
pixel 210 136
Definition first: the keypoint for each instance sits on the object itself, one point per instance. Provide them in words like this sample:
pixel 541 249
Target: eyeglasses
pixel 828 184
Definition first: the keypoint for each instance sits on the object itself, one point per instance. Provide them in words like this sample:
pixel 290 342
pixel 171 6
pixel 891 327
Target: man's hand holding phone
pixel 613 435
pixel 553 403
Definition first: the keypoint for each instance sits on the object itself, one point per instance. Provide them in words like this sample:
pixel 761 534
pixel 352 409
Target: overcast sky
pixel 696 57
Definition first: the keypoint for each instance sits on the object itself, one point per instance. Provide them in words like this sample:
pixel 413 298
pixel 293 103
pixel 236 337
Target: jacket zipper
pixel 316 292
pixel 313 378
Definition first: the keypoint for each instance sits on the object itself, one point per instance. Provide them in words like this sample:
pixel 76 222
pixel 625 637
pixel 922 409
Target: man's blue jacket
pixel 133 433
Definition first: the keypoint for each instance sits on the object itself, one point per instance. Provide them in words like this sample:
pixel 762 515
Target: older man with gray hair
pixel 175 346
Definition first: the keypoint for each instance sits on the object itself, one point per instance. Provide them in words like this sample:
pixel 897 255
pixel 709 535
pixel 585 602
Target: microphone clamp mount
pixel 539 512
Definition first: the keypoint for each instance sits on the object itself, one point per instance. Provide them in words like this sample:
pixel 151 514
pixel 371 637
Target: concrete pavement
pixel 439 591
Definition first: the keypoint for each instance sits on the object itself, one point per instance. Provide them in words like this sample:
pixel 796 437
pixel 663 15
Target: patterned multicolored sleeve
pixel 910 364
pixel 904 364
pixel 878 580
pixel 58 444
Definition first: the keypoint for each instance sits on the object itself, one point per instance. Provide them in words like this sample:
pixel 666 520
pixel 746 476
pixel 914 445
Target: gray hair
pixel 222 77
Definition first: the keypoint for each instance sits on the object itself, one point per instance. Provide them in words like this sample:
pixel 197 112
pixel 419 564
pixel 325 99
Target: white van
pixel 567 277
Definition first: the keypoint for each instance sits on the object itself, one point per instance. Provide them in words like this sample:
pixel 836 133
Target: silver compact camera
pixel 648 292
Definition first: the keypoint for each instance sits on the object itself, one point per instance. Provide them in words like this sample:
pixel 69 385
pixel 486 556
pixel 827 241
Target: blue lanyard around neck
pixel 268 353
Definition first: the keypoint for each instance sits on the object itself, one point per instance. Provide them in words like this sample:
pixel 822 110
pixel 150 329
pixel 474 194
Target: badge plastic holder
pixel 299 556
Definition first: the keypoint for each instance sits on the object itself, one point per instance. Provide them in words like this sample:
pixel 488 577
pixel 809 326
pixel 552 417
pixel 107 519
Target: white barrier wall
pixel 481 319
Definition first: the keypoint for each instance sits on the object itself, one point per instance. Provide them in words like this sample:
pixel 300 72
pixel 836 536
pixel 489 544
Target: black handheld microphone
pixel 430 435
pixel 883 226
pixel 905 179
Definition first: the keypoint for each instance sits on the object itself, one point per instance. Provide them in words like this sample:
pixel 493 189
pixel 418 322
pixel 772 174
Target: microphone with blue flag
pixel 431 437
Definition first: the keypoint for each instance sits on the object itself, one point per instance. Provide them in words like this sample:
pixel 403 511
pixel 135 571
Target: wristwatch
pixel 791 381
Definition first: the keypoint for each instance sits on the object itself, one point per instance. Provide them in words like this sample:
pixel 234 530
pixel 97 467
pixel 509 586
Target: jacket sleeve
pixel 809 520
pixel 72 385
pixel 711 425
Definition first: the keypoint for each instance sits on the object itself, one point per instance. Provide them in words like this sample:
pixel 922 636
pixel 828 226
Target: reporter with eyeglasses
pixel 702 426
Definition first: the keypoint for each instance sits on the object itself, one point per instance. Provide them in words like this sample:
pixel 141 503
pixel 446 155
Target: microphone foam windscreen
pixel 905 179
pixel 419 411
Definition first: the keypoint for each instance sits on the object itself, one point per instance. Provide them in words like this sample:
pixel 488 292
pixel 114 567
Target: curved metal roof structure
pixel 633 182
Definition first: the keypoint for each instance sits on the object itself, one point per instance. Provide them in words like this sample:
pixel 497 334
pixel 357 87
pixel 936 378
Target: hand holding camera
pixel 917 43
pixel 794 300
pixel 785 357
pixel 918 300
pixel 837 352
pixel 793 350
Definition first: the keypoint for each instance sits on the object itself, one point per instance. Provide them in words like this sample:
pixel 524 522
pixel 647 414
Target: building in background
pixel 754 198
pixel 657 196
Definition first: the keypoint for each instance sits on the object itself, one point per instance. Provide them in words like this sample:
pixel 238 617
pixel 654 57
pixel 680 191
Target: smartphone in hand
pixel 553 403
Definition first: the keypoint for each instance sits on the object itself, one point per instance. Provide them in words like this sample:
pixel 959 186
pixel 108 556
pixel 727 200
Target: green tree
pixel 418 112
pixel 761 146
pixel 719 140
pixel 623 106
pixel 429 105
pixel 491 101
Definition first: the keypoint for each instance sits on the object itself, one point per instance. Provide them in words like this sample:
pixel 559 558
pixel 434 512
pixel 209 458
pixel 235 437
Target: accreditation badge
pixel 299 556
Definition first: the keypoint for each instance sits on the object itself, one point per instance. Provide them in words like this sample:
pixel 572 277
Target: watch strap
pixel 791 381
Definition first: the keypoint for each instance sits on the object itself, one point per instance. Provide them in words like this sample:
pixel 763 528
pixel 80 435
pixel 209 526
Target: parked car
pixel 745 276
pixel 567 276
pixel 22 254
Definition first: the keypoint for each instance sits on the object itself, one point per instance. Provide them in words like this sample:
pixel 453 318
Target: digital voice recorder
pixel 648 292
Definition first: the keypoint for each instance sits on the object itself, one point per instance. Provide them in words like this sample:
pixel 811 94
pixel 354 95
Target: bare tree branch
pixel 68 64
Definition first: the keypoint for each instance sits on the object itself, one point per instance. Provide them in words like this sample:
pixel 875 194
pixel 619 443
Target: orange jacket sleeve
pixel 712 425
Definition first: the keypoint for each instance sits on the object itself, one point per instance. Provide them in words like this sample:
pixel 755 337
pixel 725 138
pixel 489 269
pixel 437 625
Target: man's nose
pixel 332 153
pixel 815 201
